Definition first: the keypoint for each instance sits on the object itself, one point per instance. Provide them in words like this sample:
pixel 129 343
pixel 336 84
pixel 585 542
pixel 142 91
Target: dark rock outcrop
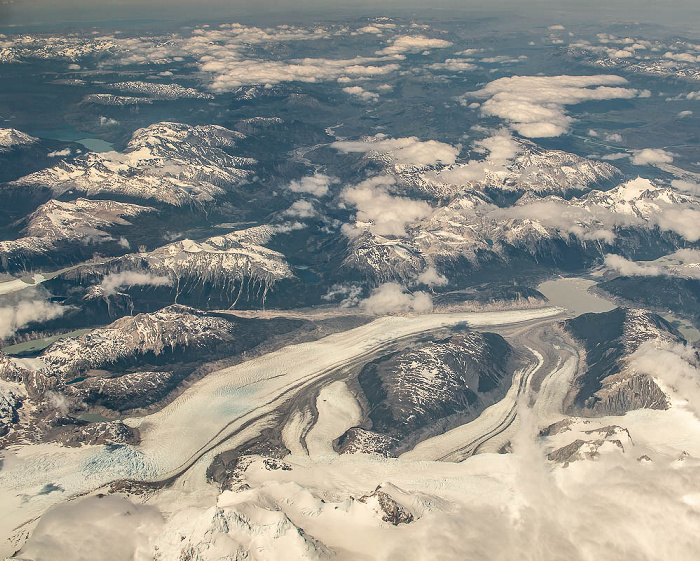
pixel 604 385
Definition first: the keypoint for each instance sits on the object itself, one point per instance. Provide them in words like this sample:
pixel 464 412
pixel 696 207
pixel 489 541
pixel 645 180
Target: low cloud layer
pixel 498 149
pixel 686 186
pixel 676 367
pixel 637 203
pixel 361 93
pixel 629 268
pixel 20 315
pixel 316 185
pixel 392 298
pixel 230 74
pixel 684 263
pixel 114 281
pixel 581 222
pixel 409 150
pixel 406 44
pixel 94 529
pixel 379 211
pixel 301 209
pixel 651 156
pixel 534 106
pixel 430 277
pixel 683 221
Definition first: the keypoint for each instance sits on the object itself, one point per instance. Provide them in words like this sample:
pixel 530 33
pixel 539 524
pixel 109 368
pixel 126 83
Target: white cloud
pixel 58 401
pixel 392 298
pixel 553 213
pixel 686 186
pixel 454 65
pixel 361 93
pixel 316 184
pixel 114 281
pixel 683 221
pixel 370 29
pixel 684 263
pixel 499 149
pixel 223 54
pixel 615 156
pixel 409 150
pixel 682 57
pixel 675 366
pixel 20 315
pixel 107 122
pixel 107 528
pixel 613 137
pixel 348 294
pixel 535 105
pixel 413 44
pixel 430 277
pixel 629 268
pixel 461 174
pixel 230 72
pixel 651 156
pixel 469 52
pixel 503 59
pixel 59 153
pixel 379 211
pixel 301 209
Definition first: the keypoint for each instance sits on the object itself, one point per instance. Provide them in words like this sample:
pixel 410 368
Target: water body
pixel 687 329
pixel 37 345
pixel 573 294
pixel 96 144
pixel 28 281
pixel 94 418
pixel 71 134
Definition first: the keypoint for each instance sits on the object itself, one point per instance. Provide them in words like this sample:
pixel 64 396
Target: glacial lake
pixel 71 134
pixel 573 294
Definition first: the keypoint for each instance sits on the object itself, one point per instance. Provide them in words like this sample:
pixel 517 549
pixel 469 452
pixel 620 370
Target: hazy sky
pixel 683 13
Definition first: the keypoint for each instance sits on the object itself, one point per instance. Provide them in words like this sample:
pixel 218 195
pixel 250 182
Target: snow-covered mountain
pixel 12 138
pixel 160 91
pixel 167 162
pixel 533 169
pixel 237 263
pixel 57 223
pixel 169 330
pixel 72 373
pixel 429 388
pixel 470 229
